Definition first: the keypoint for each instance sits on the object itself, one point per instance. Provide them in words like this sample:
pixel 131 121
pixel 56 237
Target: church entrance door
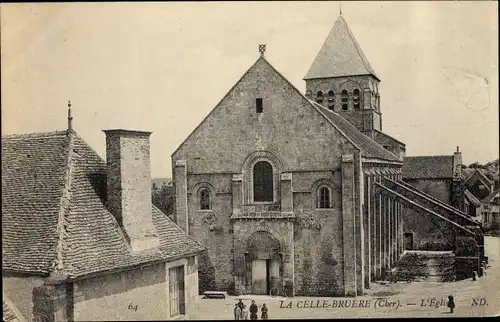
pixel 260 276
pixel 263 263
pixel 265 275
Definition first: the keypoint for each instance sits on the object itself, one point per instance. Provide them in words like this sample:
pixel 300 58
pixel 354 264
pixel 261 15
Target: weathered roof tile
pixel 428 167
pixel 41 233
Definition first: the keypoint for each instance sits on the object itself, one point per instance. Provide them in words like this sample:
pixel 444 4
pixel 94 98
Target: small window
pixel 331 100
pixel 319 97
pixel 344 99
pixel 324 197
pixel 258 105
pixel 205 199
pixel 356 99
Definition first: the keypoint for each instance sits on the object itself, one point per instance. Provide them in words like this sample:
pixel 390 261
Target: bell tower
pixel 341 79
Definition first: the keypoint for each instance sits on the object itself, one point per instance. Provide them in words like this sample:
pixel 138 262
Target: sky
pixel 162 67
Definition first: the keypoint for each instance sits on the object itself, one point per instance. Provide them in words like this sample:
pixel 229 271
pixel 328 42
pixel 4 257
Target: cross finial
pixel 262 49
pixel 341 8
pixel 70 118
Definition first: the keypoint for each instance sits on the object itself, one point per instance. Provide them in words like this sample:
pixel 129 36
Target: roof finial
pixel 341 8
pixel 70 118
pixel 262 49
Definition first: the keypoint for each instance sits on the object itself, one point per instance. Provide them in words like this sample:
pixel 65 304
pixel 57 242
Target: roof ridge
pixel 340 55
pixel 430 156
pixel 217 105
pixel 33 134
pixel 364 60
pixel 64 204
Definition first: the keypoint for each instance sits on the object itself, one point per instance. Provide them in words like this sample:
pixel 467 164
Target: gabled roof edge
pixel 215 107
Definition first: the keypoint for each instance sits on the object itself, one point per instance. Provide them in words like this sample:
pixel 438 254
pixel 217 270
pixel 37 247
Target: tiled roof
pixel 369 148
pixel 490 197
pixel 428 167
pixel 480 175
pixel 340 55
pixel 472 198
pixel 10 314
pixel 54 218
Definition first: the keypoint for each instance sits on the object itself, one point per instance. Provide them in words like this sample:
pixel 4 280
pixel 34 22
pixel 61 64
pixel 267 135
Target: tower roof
pixel 340 55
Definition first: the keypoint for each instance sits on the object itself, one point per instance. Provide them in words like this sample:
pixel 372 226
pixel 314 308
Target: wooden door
pixel 408 241
pixel 259 277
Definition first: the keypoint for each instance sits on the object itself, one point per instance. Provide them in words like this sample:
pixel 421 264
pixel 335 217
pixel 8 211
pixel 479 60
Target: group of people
pixel 241 312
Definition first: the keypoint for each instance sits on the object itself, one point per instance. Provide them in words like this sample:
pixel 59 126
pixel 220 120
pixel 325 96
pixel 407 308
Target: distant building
pixel 489 209
pixel 479 184
pixel 472 206
pixel 80 237
pixel 438 175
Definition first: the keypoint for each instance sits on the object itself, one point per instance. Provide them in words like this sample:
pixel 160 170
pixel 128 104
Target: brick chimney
pixel 129 186
pixel 457 164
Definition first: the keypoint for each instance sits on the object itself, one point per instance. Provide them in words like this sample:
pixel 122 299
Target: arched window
pixel 324 197
pixel 331 100
pixel 263 182
pixel 319 97
pixel 355 99
pixel 344 99
pixel 204 199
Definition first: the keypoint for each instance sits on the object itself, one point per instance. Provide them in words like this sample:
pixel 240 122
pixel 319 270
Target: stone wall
pixel 19 289
pixel 430 233
pixel 140 294
pixel 439 189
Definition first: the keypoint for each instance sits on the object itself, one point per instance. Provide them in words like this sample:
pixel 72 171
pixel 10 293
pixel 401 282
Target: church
pixel 299 194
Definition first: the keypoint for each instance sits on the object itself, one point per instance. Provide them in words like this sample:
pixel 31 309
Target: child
pixel 264 312
pixel 245 313
pixel 237 312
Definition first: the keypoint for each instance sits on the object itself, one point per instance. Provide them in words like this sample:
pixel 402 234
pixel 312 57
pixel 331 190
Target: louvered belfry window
pixel 319 97
pixel 344 98
pixel 355 98
pixel 263 182
pixel 331 100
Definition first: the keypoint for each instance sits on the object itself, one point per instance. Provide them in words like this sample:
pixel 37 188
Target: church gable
pixel 263 112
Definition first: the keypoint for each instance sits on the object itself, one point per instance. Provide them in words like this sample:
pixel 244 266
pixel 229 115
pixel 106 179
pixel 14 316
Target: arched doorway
pixel 263 263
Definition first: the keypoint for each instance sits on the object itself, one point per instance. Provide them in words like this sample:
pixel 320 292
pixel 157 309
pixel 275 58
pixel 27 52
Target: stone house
pixel 81 239
pixel 298 194
pixel 472 206
pixel 479 184
pixel 438 175
pixel 489 210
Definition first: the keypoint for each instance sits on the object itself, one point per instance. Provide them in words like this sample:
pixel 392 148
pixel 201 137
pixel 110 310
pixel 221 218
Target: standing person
pixel 253 311
pixel 245 313
pixel 451 303
pixel 237 312
pixel 264 312
pixel 240 304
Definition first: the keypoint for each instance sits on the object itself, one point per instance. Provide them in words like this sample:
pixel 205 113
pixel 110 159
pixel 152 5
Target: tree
pixel 164 198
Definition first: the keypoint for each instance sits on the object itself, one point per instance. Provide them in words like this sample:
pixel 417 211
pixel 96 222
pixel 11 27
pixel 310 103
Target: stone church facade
pixel 296 193
pixel 275 184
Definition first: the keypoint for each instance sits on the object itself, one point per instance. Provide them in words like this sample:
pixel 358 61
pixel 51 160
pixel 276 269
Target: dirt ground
pixel 418 299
